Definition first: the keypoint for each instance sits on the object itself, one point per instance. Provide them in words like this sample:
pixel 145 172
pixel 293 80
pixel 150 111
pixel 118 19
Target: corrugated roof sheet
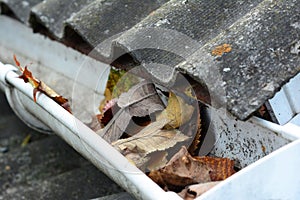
pixel 50 16
pixel 18 9
pixel 260 61
pixel 258 39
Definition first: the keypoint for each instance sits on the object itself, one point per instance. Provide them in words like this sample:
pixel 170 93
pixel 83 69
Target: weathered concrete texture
pixel 39 160
pixel 20 9
pixel 46 168
pixel 178 28
pixel 83 183
pixel 12 129
pixel 51 15
pixel 259 60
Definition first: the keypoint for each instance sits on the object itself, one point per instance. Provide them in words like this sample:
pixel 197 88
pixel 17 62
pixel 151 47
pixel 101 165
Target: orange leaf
pixel 196 141
pixel 16 61
pixel 221 168
pixel 63 102
pixel 27 77
pixel 180 171
pixel 39 86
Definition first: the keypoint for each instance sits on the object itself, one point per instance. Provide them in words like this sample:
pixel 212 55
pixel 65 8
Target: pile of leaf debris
pixel 155 128
pixel 159 130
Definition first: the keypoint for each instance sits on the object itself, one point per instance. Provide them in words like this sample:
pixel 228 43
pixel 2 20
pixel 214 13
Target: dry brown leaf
pixel 108 110
pixel 116 126
pixel 177 112
pixel 105 101
pixel 152 161
pixel 142 99
pixel 157 160
pixel 40 86
pixel 138 159
pixel 196 141
pixel 53 95
pixel 221 168
pixel 180 171
pixel 151 139
pixel 193 191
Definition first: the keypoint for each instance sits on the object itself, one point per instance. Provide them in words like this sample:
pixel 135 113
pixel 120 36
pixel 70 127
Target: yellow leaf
pixel 177 112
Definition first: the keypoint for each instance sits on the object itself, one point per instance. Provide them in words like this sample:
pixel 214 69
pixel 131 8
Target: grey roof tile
pixel 20 9
pixel 177 29
pixel 263 36
pixel 103 19
pixel 260 62
pixel 199 19
pixel 50 15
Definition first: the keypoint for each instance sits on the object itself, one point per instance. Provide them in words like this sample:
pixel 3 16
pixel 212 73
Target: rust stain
pixel 263 148
pixel 220 50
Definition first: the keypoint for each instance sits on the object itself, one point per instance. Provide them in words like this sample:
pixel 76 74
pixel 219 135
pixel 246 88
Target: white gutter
pixel 81 138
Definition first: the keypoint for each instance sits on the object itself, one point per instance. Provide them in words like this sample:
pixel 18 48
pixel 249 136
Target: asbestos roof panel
pixel 103 19
pixel 20 9
pixel 51 15
pixel 262 38
pixel 262 58
pixel 177 29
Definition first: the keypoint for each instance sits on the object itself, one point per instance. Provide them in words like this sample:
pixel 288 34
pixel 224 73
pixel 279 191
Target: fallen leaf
pixel 39 86
pixel 221 168
pixel 119 81
pixel 107 112
pixel 26 140
pixel 53 95
pixel 27 77
pixel 146 106
pixel 177 112
pixel 180 171
pixel 138 159
pixel 125 82
pixel 94 124
pixel 196 141
pixel 105 101
pixel 157 160
pixel 116 126
pixel 193 191
pixel 146 162
pixel 150 139
pixel 142 99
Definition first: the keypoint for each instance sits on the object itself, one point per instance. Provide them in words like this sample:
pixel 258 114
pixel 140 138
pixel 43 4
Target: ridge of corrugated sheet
pixel 260 34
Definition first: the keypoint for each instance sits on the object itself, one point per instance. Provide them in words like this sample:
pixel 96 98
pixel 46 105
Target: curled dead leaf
pixel 194 146
pixel 145 162
pixel 221 168
pixel 139 102
pixel 150 139
pixel 180 171
pixel 142 100
pixel 177 112
pixel 40 86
